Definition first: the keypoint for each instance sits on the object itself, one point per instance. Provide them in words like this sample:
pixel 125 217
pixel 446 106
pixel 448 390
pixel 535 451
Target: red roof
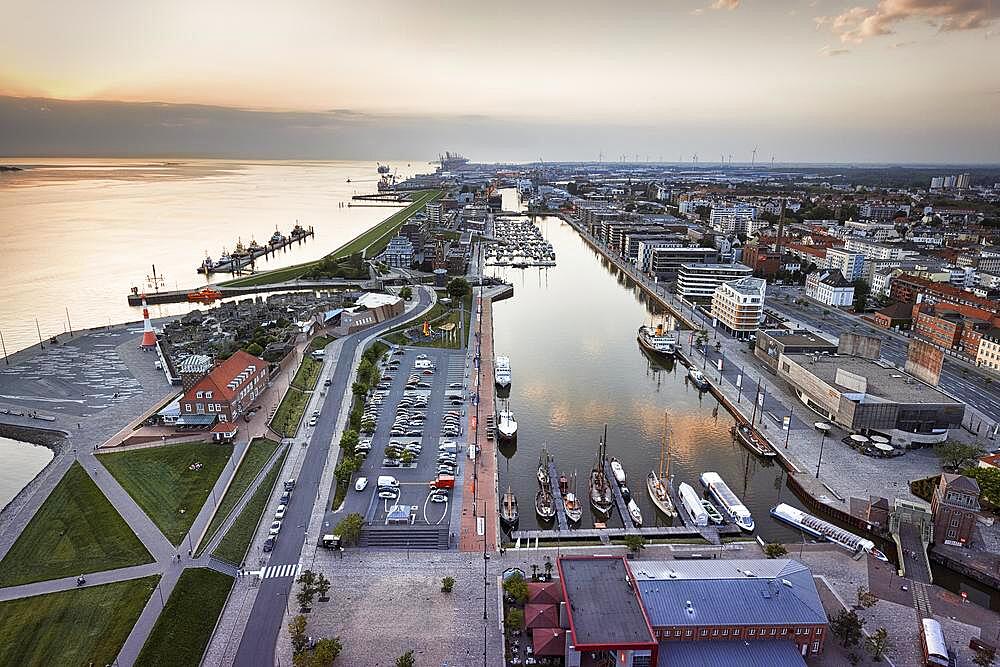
pixel 225 427
pixel 541 615
pixel 221 377
pixel 545 592
pixel 807 249
pixel 549 641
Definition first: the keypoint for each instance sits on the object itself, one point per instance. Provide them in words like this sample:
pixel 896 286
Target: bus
pixel 932 644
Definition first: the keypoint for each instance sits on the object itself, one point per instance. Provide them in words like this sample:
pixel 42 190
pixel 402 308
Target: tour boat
pixel 633 511
pixel 728 501
pixel 656 483
pixel 692 505
pixel 508 509
pixel 825 530
pixel 755 444
pixel 545 505
pixel 601 498
pixel 713 514
pixel 501 371
pixel 698 378
pixel 657 340
pixel 617 470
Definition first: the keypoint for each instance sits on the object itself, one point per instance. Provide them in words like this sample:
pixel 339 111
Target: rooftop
pixel 602 603
pixel 728 592
pixel 751 286
pixel 799 339
pixel 759 653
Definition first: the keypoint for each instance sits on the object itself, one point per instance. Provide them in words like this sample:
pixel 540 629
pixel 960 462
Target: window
pixel 784 631
pixel 200 394
pixel 725 632
pixel 208 394
pixel 211 407
pixel 222 418
pixel 687 633
pixel 187 407
pixel 773 631
pixel 218 407
pixel 815 648
pixel 819 632
pixel 736 633
pixel 715 633
pixel 751 632
pixel 704 633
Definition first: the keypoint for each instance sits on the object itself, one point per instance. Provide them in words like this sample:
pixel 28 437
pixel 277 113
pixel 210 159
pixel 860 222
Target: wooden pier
pixel 236 264
pixel 181 296
pixel 557 496
pixel 650 532
pixel 619 498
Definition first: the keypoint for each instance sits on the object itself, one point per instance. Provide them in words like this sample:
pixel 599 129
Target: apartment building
pixel 850 264
pixel 698 282
pixel 736 219
pixel 988 355
pixel 738 306
pixel 828 286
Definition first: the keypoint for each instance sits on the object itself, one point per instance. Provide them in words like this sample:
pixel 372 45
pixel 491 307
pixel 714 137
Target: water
pixel 79 233
pixel 570 333
pixel 19 463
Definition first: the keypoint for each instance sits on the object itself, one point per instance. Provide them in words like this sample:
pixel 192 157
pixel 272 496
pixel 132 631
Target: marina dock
pixel 619 498
pixel 650 533
pixel 557 496
pixel 236 262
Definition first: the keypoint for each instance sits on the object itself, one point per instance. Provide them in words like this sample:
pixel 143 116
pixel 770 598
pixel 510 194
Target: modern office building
pixel 772 343
pixel 850 264
pixel 648 244
pixel 399 253
pixel 698 282
pixel 738 306
pixel 666 262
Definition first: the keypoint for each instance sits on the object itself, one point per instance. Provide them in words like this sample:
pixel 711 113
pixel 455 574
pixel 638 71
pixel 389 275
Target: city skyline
pixel 821 81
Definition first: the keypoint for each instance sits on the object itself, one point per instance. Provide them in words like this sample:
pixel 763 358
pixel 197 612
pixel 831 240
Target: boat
pixel 543 469
pixel 204 295
pixel 633 511
pixel 508 509
pixel 501 371
pixel 563 484
pixel 824 530
pixel 657 340
pixel 617 470
pixel 277 238
pixel 728 501
pixel 207 265
pixel 571 504
pixel 545 505
pixel 298 230
pixel 239 251
pixel 698 378
pixel 255 248
pixel 506 424
pixel 713 514
pixel 626 494
pixel 601 498
pixel 656 483
pixel 692 505
pixel 751 441
pixel 383 168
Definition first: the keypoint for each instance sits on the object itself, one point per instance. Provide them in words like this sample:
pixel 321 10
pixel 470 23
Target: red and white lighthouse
pixel 148 335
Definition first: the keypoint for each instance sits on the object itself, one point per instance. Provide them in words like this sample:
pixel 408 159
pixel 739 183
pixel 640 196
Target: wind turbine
pixel 753 157
pixel 772 160
pixel 694 158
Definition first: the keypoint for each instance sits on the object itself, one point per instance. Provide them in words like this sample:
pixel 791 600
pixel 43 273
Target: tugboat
pixel 657 340
pixel 204 295
pixel 508 509
pixel 656 484
pixel 207 265
pixel 601 498
pixel 545 505
pixel 255 248
pixel 277 238
pixel 298 230
pixel 698 379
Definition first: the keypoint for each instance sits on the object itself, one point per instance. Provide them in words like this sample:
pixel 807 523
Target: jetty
pixel 620 503
pixel 236 263
pixel 181 296
pixel 649 532
pixel 557 496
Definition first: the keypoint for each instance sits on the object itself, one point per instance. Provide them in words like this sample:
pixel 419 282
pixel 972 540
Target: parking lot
pixel 418 413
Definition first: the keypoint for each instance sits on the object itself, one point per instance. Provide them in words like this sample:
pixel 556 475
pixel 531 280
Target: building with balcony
pixel 698 282
pixel 399 253
pixel 850 264
pixel 738 306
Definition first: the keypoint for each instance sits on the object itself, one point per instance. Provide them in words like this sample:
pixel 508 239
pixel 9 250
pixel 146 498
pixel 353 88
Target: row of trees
pixel 306 653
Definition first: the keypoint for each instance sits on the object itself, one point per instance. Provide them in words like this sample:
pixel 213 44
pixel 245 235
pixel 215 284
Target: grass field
pixel 307 374
pixel 289 412
pixel 76 627
pixel 372 242
pixel 185 625
pixel 161 481
pixel 257 455
pixel 319 342
pixel 75 531
pixel 233 546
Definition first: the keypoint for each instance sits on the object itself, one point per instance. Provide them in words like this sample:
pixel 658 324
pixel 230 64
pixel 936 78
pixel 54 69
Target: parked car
pixel 388 494
pixel 361 483
pixel 280 512
pixel 275 527
pixel 268 544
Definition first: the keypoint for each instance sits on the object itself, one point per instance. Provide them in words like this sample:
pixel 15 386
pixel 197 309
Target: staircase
pixel 405 537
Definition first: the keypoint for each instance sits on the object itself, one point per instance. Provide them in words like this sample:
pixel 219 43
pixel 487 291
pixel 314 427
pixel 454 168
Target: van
pixel 388 481
pixel 318 354
pixel 331 541
pixel 450 447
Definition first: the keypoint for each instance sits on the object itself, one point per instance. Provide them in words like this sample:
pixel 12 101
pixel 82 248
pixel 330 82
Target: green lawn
pixel 75 627
pixel 257 455
pixel 371 242
pixel 307 373
pixel 319 342
pixel 185 625
pixel 286 417
pixel 75 531
pixel 233 546
pixel 162 482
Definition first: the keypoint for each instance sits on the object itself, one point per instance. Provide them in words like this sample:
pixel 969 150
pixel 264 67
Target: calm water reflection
pixel 19 463
pixel 570 334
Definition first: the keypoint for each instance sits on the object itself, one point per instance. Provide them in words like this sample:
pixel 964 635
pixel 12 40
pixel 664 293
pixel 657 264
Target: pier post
pixel 3 345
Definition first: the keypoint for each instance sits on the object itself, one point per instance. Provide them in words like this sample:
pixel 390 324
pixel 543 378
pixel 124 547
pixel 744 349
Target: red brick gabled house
pixel 228 390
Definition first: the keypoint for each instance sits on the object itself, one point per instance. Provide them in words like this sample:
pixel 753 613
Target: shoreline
pixel 52 439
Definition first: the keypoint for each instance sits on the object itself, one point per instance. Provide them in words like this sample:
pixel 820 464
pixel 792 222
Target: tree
pixel 458 288
pixel 989 484
pixel 635 543
pixel 514 620
pixel 297 632
pixel 407 457
pixel 322 586
pixel 349 442
pixel 326 651
pixel 255 349
pixel 954 455
pixel 985 656
pixel 516 589
pixel 308 582
pixel 447 584
pixel 347 467
pixel 548 568
pixel 349 528
pixel 861 291
pixel 775 550
pixel 405 660
pixel 304 598
pixel 878 644
pixel 866 598
pixel 406 293
pixel 847 626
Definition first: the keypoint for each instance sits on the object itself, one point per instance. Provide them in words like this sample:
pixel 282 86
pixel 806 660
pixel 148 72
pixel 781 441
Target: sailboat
pixel 574 511
pixel 543 469
pixel 508 509
pixel 656 483
pixel 601 499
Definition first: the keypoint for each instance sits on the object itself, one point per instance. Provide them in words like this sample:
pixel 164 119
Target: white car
pixel 360 484
pixel 279 513
pixel 275 527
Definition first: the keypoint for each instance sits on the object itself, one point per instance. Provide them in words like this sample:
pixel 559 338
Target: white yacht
pixel 692 505
pixel 501 371
pixel 727 500
pixel 698 378
pixel 506 424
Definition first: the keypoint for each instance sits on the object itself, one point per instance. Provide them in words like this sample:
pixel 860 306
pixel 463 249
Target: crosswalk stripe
pixel 288 570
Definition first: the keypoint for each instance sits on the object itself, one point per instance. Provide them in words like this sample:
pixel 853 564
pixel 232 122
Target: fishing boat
pixel 698 378
pixel 207 265
pixel 713 514
pixel 692 505
pixel 277 238
pixel 751 441
pixel 298 230
pixel 824 530
pixel 508 509
pixel 543 469
pixel 204 295
pixel 506 424
pixel 657 340
pixel 633 511
pixel 571 504
pixel 656 483
pixel 501 371
pixel 545 505
pixel 601 498
pixel 728 501
pixel 617 470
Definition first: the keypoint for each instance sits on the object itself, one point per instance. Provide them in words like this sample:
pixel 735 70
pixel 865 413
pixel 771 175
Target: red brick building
pixel 955 505
pixel 953 326
pixel 228 390
pixel 907 288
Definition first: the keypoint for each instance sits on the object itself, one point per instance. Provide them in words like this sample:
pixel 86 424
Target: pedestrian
pixel 189 553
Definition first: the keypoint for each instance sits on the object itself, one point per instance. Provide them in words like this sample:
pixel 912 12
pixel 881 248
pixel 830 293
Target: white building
pixel 828 286
pixel 850 264
pixel 699 281
pixel 738 305
pixel 736 219
pixel 692 205
pixel 646 247
pixel 989 350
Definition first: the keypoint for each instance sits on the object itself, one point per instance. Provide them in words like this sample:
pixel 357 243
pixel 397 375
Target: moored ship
pixel 752 441
pixel 698 378
pixel 825 530
pixel 501 371
pixel 657 341
pixel 506 424
pixel 656 483
pixel 508 509
pixel 692 505
pixel 728 501
pixel 601 495
pixel 545 505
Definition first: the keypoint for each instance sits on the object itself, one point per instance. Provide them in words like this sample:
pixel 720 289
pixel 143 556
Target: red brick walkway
pixel 482 501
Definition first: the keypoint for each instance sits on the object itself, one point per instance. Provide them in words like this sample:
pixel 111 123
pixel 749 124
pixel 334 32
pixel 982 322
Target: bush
pixel 514 620
pixel 349 528
pixel 516 589
pixel 775 550
pixel 447 584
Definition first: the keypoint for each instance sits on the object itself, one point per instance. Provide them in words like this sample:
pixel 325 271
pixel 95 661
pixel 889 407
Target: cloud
pixel 828 51
pixel 860 23
pixel 726 4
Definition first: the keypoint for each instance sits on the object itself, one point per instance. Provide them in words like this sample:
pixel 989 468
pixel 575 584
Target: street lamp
pixel 820 461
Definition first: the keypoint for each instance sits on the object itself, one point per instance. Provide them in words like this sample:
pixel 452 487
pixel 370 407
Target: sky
pixel 809 80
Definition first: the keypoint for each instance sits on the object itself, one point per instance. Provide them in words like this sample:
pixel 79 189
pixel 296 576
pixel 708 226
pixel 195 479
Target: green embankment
pixel 170 482
pixel 233 546
pixel 75 531
pixel 185 625
pixel 85 626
